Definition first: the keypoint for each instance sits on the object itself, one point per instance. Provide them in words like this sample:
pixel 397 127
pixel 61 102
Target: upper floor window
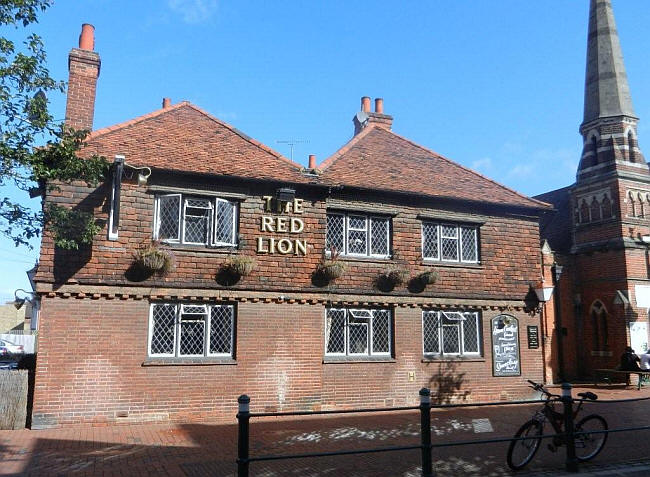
pixel 358 235
pixel 450 242
pixel 358 332
pixel 191 330
pixel 194 220
pixel 451 333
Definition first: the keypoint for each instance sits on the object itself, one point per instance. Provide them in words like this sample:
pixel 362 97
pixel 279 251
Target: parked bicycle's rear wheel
pixel 588 445
pixel 521 452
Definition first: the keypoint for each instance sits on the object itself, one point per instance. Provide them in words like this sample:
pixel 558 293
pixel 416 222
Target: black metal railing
pixel 426 446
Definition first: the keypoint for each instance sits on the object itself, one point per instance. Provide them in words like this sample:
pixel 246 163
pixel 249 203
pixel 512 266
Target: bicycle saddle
pixel 588 395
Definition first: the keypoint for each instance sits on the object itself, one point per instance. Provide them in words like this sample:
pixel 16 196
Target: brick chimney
pixel 365 117
pixel 83 67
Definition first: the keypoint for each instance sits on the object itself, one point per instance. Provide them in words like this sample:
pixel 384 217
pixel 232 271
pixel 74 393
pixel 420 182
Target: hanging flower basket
pixel 239 266
pixel 395 276
pixel 428 278
pixel 154 259
pixel 331 269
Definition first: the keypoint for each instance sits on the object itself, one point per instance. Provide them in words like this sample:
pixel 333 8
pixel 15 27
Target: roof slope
pixel 185 138
pixel 555 226
pixel 377 158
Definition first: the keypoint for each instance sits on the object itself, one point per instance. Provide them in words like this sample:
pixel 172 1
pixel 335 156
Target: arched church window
pixel 642 205
pixel 595 209
pixel 632 205
pixel 599 325
pixel 606 208
pixel 584 212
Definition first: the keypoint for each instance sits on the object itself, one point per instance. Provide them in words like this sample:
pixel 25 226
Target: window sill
pixel 435 263
pixel 351 258
pixel 358 359
pixel 201 248
pixel 457 359
pixel 188 361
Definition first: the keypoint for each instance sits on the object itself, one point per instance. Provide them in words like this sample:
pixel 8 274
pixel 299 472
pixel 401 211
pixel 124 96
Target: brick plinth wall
pixel 93 352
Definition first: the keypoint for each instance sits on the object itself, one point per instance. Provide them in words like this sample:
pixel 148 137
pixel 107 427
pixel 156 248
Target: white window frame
pixel 208 228
pixel 161 355
pixel 235 209
pixel 207 325
pixel 212 221
pixel 156 225
pixel 458 238
pixel 368 229
pixel 460 316
pixel 232 332
pixel 349 313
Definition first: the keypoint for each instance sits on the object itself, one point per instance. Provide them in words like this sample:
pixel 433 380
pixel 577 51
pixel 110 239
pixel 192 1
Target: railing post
pixel 425 432
pixel 571 464
pixel 243 417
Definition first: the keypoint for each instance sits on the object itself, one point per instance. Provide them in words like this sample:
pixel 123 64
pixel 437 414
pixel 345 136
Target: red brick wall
pixel 91 353
pixel 509 250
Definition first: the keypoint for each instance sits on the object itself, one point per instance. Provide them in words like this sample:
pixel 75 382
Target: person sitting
pixel 629 360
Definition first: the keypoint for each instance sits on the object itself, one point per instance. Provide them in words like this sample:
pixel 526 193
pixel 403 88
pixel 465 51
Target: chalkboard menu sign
pixel 505 346
pixel 533 337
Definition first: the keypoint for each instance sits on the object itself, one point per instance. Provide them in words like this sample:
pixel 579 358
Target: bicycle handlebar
pixel 540 388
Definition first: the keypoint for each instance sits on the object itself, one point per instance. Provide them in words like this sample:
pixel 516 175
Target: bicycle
pixel 589 438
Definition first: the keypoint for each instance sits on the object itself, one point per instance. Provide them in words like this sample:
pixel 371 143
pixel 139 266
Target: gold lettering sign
pixel 281 224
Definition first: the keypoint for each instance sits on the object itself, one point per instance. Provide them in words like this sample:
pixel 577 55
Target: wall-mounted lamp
pixel 143 173
pixel 19 302
pixel 285 194
pixel 532 301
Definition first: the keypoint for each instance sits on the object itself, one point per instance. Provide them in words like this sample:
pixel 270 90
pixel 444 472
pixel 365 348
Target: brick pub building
pixel 120 345
pixel 600 232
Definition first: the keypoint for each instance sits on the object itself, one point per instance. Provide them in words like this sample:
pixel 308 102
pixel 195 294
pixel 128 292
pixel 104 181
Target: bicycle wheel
pixel 521 452
pixel 588 445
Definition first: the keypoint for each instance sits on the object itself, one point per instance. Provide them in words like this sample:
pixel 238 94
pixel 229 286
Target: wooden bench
pixel 601 375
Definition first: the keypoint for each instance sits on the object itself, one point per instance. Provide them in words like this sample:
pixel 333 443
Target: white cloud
pixel 522 171
pixel 484 164
pixel 193 11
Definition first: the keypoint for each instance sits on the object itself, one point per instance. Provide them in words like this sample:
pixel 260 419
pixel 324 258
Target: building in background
pixel 600 233
pixel 351 283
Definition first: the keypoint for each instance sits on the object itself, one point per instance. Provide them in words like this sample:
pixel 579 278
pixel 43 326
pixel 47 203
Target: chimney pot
pixel 312 161
pixel 87 37
pixel 379 105
pixel 365 104
pixel 167 102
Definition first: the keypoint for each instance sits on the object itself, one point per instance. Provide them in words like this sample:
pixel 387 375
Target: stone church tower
pixel 601 230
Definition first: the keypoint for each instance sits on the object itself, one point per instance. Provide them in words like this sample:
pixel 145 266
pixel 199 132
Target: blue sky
pixel 496 85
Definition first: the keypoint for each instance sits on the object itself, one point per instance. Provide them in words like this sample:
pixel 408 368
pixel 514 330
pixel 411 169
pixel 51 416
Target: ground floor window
pixel 358 332
pixel 191 330
pixel 451 333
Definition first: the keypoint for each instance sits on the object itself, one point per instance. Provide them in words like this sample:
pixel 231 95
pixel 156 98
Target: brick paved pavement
pixel 209 449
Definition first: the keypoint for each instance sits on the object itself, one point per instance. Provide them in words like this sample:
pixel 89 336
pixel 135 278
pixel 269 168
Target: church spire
pixel 609 126
pixel 606 89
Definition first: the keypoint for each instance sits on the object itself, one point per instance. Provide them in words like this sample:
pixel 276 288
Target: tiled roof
pixel 555 226
pixel 185 138
pixel 377 158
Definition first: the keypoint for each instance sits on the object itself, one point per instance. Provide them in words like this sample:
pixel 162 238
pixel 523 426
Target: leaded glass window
pixel 358 332
pixel 195 220
pixel 358 235
pixel 451 333
pixel 450 242
pixel 191 330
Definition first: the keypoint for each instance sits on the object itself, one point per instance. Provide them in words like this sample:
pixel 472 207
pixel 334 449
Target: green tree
pixel 36 152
